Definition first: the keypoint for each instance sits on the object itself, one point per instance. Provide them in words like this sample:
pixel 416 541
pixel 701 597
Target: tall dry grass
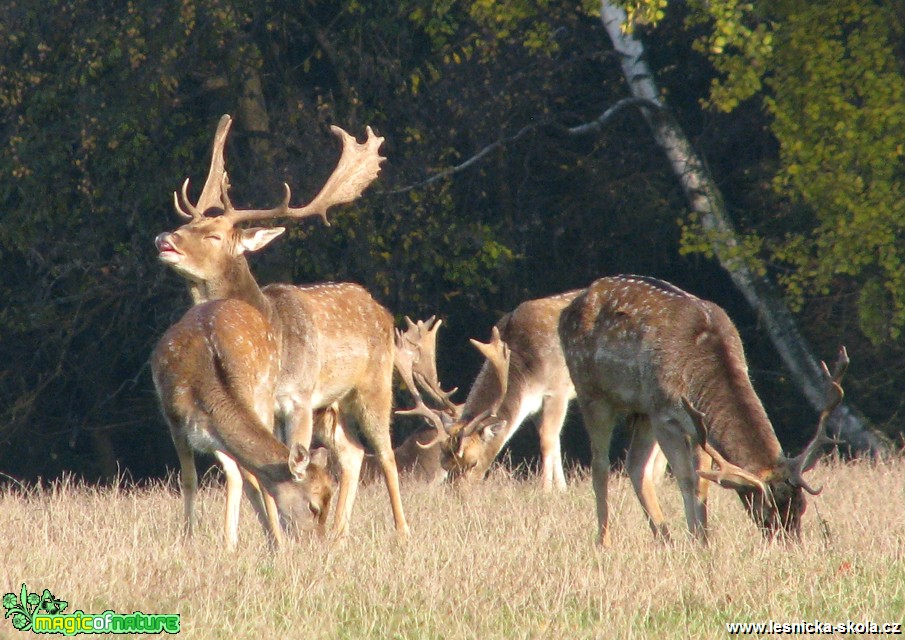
pixel 500 561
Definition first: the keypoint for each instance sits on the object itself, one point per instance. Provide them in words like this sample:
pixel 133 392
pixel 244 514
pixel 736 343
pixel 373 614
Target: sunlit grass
pixel 502 560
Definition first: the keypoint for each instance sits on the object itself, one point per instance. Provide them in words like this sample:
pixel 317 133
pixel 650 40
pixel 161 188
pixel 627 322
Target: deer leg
pixel 644 465
pixel 372 409
pixel 387 461
pixel 599 421
pixel 265 508
pixel 705 463
pixel 233 498
pixel 684 462
pixel 553 415
pixel 349 454
pixel 188 480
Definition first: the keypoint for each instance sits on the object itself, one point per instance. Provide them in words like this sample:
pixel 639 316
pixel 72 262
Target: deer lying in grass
pixel 641 347
pixel 312 346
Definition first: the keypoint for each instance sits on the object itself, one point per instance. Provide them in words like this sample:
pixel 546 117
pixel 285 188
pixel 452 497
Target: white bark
pixel 705 199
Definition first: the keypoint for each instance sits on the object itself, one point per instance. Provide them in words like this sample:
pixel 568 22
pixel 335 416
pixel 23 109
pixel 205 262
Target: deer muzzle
pixel 167 251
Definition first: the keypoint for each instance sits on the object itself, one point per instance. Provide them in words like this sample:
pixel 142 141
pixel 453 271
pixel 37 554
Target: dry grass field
pixel 500 561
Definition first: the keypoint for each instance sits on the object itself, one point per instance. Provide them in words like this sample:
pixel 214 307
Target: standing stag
pixel 302 348
pixel 674 364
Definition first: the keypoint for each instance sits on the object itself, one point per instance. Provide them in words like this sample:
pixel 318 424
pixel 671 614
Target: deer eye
pixel 213 236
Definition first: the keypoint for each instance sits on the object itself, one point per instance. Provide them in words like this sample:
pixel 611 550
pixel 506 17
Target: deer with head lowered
pixel 277 353
pixel 524 372
pixel 674 364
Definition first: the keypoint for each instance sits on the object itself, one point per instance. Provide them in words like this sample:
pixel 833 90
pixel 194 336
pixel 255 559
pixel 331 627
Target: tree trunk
pixel 251 105
pixel 706 200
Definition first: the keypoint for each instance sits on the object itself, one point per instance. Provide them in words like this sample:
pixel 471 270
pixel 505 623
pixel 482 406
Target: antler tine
pixel 728 472
pixel 357 168
pixel 247 215
pixel 806 460
pixel 498 355
pixel 421 409
pixel 413 364
pixel 423 335
pixel 183 207
pixel 210 194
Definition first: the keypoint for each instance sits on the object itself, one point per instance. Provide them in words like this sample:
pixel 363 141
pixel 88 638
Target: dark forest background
pixel 106 107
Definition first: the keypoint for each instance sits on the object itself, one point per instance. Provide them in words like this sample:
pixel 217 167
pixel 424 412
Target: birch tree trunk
pixel 706 200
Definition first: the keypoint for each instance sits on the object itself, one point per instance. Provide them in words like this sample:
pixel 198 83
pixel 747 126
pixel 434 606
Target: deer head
pixel 469 435
pixel 209 250
pixel 775 499
pixel 304 503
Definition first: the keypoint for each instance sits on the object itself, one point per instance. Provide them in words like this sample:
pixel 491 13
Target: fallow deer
pixel 535 379
pixel 643 348
pixel 330 343
pixel 214 372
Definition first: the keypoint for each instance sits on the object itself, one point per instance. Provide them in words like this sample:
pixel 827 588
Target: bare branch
pixel 594 126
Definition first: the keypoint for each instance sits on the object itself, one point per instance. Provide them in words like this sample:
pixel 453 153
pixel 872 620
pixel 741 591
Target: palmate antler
pixel 416 362
pixel 357 168
pixel 498 355
pixel 216 178
pixel 806 460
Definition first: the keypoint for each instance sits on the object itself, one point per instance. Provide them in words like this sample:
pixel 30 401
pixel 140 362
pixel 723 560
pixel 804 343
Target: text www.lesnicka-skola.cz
pixel 814 627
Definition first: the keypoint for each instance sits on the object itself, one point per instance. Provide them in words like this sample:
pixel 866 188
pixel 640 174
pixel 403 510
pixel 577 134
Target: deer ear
pixel 258 237
pixel 298 461
pixel 320 457
pixel 492 430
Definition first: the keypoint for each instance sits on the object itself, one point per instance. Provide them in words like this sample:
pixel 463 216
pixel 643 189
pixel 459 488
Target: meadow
pixel 500 560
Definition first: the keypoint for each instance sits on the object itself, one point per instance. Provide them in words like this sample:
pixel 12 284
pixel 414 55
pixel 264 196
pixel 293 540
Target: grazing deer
pixel 674 364
pixel 330 343
pixel 214 372
pixel 418 457
pixel 524 372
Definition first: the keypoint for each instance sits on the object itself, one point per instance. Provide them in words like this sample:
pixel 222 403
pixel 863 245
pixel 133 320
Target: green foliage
pixel 739 46
pixel 838 105
pixel 641 12
pixel 108 106
pixel 834 87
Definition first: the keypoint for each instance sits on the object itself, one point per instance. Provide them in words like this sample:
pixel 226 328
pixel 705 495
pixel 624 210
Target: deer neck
pixel 235 283
pixel 737 423
pixel 514 407
pixel 485 392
